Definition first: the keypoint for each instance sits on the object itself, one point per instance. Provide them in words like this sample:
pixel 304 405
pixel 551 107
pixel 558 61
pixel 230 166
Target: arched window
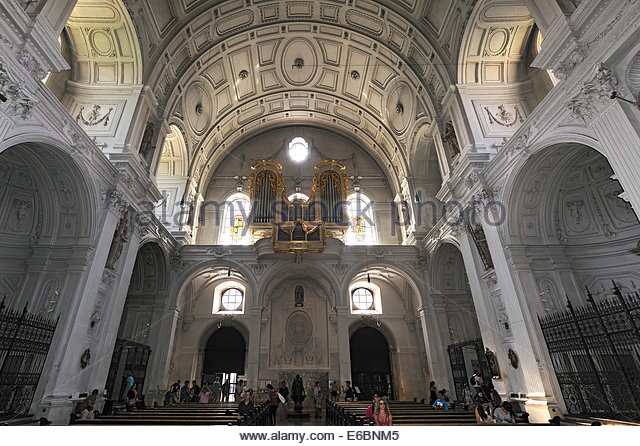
pixel 361 228
pixel 234 223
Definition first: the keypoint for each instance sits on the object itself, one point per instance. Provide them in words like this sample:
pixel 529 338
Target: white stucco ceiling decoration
pixel 298 61
pixel 105 49
pixel 494 47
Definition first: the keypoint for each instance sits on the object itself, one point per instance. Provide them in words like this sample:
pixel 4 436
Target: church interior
pixel 375 193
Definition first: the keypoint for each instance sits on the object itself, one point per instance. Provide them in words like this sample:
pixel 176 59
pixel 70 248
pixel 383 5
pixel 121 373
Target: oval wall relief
pixel 299 61
pixel 198 106
pixel 400 107
pixel 299 327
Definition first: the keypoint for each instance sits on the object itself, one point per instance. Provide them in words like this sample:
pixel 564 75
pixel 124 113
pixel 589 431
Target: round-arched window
pixel 362 299
pixel 231 299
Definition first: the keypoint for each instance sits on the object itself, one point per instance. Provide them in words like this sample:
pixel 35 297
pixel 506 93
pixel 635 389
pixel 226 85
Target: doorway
pixel 224 358
pixel 371 370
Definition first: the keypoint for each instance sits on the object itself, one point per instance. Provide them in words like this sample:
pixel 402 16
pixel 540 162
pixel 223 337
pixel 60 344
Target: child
pixel 467 397
pixel 440 403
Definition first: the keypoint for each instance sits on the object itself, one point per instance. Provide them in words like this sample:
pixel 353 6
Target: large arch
pixel 575 232
pixel 47 209
pixel 566 200
pixel 456 317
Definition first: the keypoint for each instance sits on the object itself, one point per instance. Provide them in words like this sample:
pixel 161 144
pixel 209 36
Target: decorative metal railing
pixel 458 365
pixel 128 356
pixel 24 344
pixel 595 353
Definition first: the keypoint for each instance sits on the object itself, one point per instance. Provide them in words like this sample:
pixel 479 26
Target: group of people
pixel 209 392
pixel 350 392
pixel 489 406
pixel 484 398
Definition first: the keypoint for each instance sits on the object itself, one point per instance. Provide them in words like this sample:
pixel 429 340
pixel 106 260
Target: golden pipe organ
pixel 298 225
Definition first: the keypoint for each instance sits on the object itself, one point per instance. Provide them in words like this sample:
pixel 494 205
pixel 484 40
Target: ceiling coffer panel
pixel 299 61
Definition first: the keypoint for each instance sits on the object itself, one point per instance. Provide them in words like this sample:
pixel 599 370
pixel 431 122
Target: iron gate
pixel 458 366
pixel 137 358
pixel 24 344
pixel 595 352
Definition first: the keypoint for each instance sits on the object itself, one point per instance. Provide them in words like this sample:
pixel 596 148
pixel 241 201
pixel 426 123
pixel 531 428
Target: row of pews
pixel 191 414
pixel 404 413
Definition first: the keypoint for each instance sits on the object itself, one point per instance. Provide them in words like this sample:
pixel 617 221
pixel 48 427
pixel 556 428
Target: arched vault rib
pixel 302 108
pixel 181 36
pixel 394 168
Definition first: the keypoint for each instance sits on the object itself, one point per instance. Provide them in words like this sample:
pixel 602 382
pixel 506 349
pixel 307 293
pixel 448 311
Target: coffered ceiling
pixel 376 71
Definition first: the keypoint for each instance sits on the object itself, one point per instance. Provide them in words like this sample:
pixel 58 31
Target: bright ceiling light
pixel 298 149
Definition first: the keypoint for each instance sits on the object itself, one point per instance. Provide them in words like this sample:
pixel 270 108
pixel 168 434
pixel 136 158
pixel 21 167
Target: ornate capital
pixel 567 67
pixel 21 101
pixel 594 95
pixel 114 199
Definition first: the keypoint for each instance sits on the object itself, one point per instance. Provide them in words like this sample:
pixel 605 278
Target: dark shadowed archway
pixel 371 363
pixel 225 352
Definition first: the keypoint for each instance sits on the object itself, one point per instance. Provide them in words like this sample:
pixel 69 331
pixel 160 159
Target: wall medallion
pixel 299 327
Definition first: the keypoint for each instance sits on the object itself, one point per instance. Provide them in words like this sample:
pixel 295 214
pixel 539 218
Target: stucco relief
pixel 298 335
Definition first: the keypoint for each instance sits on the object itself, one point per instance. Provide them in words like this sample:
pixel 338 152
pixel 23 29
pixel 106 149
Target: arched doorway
pixel 457 319
pixel 224 357
pixel 371 368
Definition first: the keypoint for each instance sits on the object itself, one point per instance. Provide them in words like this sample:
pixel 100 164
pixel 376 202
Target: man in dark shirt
pixel 195 392
pixel 175 392
pixel 284 391
pixel 246 407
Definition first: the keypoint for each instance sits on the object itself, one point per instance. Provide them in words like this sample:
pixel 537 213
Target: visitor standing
pixel 184 392
pixel 175 392
pixel 195 391
pixel 475 383
pixel 215 390
pixel 225 391
pixel 494 396
pixel 273 404
pixel 284 391
pixel 239 390
pixel 334 391
pixel 433 392
pixel 348 393
pixel 130 382
pixel 317 399
pixel 467 397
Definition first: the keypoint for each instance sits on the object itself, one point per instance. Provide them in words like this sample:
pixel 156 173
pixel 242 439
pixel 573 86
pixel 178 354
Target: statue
pixel 493 363
pixel 297 394
pixel 147 140
pixel 119 239
pixel 450 139
pixel 299 296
